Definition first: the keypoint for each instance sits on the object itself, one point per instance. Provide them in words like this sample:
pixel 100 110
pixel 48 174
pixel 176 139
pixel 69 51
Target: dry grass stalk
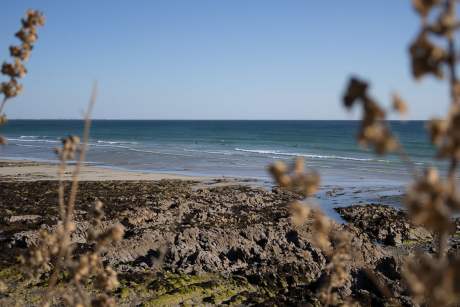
pixel 335 246
pixel 16 70
pixel 431 201
pixel 55 252
pixel 20 54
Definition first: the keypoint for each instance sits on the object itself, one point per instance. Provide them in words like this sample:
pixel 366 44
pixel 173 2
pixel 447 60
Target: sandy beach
pixel 26 170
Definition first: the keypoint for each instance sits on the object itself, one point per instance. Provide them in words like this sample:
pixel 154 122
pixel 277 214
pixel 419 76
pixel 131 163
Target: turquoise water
pixel 225 148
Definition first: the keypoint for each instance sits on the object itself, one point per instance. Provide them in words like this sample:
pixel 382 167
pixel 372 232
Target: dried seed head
pixel 22 53
pixel 278 168
pixel 3 287
pixel 299 166
pixel 372 131
pixel 437 129
pixel 445 134
pixel 299 212
pixel 3 119
pixel 433 282
pixel 295 178
pixel 423 7
pixel 97 213
pixel 399 105
pixel 113 234
pixel 426 57
pixel 103 300
pixel 322 228
pixel 16 70
pixel 445 24
pixel 107 280
pixel 356 89
pixel 70 146
pixel 430 202
pixel 33 19
pixel 117 232
pixel 11 88
pixel 27 36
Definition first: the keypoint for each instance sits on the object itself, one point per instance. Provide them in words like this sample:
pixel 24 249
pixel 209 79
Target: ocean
pixel 235 148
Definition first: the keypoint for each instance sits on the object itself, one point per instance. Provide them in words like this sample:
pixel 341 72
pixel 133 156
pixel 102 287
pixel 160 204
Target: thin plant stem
pixel 62 211
pixel 65 242
pixel 450 8
pixel 3 104
pixel 84 146
pixel 404 156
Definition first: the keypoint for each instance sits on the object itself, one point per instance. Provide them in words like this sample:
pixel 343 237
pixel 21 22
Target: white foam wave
pixel 29 137
pixel 295 154
pixel 114 142
pixel 108 145
pixel 210 152
pixel 32 140
pixel 157 152
pixel 26 145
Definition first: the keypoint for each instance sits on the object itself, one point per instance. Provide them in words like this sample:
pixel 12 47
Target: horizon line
pixel 206 119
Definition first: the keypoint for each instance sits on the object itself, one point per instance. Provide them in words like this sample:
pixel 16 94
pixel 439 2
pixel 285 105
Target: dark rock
pixel 384 224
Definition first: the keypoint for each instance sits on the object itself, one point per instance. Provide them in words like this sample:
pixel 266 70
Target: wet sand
pixel 33 171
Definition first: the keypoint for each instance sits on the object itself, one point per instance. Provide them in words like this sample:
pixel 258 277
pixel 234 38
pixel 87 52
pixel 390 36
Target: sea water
pixel 235 148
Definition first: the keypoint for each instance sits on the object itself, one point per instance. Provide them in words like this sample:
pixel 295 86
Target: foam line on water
pixel 295 154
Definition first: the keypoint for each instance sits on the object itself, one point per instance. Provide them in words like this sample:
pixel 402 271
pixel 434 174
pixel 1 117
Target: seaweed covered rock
pixel 384 224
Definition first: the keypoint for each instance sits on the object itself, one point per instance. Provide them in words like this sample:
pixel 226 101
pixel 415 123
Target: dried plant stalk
pixel 55 251
pixel 431 200
pixel 334 245
pixel 20 54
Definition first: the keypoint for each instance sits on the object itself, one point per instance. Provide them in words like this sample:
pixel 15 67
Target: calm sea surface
pixel 225 148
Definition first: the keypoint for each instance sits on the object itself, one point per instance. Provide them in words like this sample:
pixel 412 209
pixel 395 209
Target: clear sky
pixel 216 59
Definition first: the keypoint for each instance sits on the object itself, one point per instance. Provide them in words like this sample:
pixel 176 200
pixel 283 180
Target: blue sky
pixel 216 59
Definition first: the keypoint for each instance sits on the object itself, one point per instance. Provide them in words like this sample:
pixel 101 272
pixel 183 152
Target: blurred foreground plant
pixel 335 245
pixel 55 251
pixel 20 54
pixel 431 201
pixel 54 255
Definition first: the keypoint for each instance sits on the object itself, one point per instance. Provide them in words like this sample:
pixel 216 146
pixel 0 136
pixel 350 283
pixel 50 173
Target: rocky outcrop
pixel 384 224
pixel 196 244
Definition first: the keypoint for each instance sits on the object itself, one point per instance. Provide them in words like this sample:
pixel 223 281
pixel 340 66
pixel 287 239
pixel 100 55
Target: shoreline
pixel 328 197
pixel 35 170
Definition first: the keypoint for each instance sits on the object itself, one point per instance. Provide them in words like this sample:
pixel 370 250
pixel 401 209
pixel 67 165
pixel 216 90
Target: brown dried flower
pixel 426 57
pixel 356 90
pixel 103 300
pixel 299 212
pixel 423 7
pixel 11 88
pixel 16 70
pixel 70 146
pixel 431 202
pixel 107 280
pixel 373 131
pixel 28 35
pixel 3 287
pixel 322 227
pixel 295 178
pixel 446 134
pixel 399 105
pixel 433 282
pixel 437 128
